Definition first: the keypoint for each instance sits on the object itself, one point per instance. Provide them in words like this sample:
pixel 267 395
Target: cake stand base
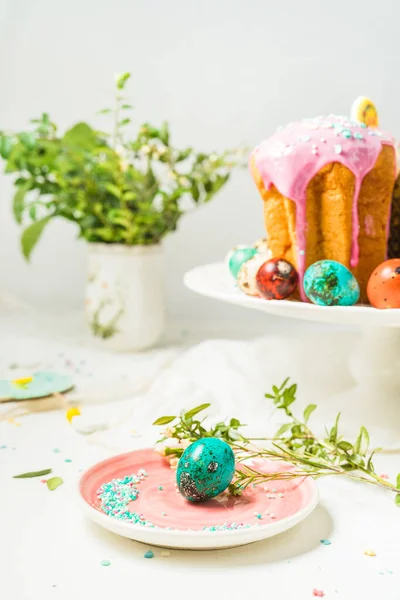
pixel 374 400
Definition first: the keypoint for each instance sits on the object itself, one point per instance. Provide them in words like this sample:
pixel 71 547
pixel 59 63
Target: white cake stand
pixel 374 401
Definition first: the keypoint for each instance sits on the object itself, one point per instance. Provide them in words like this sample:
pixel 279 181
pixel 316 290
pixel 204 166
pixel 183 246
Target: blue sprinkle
pixel 68 460
pixel 302 252
pixel 3 447
pixel 105 563
pixel 363 125
pixel 149 554
pixel 56 450
pixel 346 133
pixel 358 135
pixel 160 487
pixel 326 542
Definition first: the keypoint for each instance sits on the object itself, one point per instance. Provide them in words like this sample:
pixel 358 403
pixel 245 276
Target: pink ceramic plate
pixel 261 512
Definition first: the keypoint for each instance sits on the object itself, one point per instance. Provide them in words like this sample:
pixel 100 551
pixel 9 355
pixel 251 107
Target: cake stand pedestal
pixel 374 400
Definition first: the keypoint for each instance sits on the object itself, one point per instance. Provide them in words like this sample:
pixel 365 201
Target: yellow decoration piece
pixel 72 412
pixel 364 110
pixel 369 553
pixel 22 381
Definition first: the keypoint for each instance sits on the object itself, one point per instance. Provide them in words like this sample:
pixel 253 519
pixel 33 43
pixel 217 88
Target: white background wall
pixel 223 72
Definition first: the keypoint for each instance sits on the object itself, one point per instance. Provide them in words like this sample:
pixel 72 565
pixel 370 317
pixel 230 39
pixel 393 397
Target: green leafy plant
pixel 117 188
pixel 294 443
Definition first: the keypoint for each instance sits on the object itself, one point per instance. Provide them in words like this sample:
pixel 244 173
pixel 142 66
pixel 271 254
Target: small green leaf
pixel 5 146
pixel 127 106
pixel 31 236
pixel 334 431
pixel 33 474
pixel 365 435
pixel 357 443
pixel 398 481
pixel 173 451
pixel 54 482
pixel 121 80
pixel 308 411
pixel 104 111
pixel 82 137
pixel 283 429
pixel 234 422
pixel 269 396
pixel 194 411
pixel 18 201
pixel 124 122
pixel 357 460
pixel 164 420
pixel 32 212
pixel 164 133
pixel 114 190
pixel 27 139
pixel 397 499
pixel 284 384
pixel 345 446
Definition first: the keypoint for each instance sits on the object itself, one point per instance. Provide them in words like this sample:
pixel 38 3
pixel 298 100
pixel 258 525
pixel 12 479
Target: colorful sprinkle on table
pixel 105 563
pixel 56 450
pixel 71 413
pixel 318 593
pixel 369 553
pixel 149 554
pixel 22 381
pixel 3 447
pixel 326 542
pixel 68 460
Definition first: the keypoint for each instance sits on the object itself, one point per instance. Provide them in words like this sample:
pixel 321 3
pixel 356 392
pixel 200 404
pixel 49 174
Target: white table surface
pixel 49 550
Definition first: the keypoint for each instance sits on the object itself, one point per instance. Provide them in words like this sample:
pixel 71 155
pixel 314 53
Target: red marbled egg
pixel 383 288
pixel 276 279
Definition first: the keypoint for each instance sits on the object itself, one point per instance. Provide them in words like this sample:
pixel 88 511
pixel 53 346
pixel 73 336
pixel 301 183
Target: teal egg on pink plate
pixel 329 283
pixel 205 469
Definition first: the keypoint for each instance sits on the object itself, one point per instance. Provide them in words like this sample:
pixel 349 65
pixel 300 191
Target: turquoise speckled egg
pixel 239 257
pixel 205 469
pixel 329 283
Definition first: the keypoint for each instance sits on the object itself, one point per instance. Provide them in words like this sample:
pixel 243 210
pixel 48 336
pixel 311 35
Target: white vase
pixel 125 303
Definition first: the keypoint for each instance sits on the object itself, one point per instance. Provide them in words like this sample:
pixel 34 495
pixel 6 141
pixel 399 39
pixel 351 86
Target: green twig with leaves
pixel 119 187
pixel 294 443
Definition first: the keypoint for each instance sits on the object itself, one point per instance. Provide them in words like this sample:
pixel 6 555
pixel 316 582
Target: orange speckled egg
pixel 383 288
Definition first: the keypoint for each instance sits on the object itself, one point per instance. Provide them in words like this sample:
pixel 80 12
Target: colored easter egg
pixel 205 469
pixel 276 279
pixel 329 283
pixel 239 257
pixel 247 275
pixel 383 288
pixel 364 110
pixel 232 251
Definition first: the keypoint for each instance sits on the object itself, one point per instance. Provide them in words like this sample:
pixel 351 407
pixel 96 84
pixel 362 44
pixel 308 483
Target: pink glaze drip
pixel 296 153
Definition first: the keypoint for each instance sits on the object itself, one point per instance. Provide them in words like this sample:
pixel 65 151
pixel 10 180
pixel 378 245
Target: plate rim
pixel 279 526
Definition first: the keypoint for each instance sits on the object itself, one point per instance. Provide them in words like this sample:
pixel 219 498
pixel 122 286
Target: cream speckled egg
pixel 247 275
pixel 263 248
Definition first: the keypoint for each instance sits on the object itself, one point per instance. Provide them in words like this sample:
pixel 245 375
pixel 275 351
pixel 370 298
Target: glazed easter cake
pixel 327 185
